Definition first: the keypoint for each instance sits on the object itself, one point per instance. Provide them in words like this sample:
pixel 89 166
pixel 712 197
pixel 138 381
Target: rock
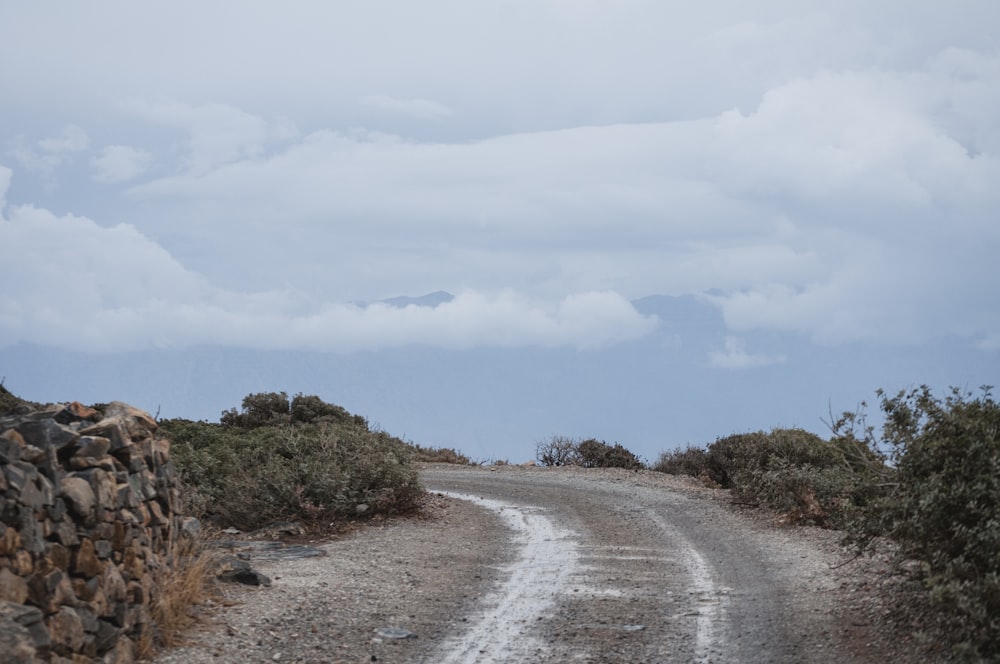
pixel 107 636
pixel 16 643
pixel 140 417
pixel 37 493
pixel 32 535
pixel 113 583
pixel 11 444
pixel 361 509
pixel 22 563
pixel 65 533
pixel 111 427
pixel 103 549
pixel 86 562
pixel 46 433
pixel 12 587
pixel 123 652
pixel 66 631
pixel 75 412
pixel 127 497
pixel 190 528
pixel 236 570
pixel 10 540
pixel 91 451
pixel 57 510
pixel 247 577
pixel 79 494
pixel 50 590
pixel 59 556
pixel 395 633
pixel 31 619
pixel 18 474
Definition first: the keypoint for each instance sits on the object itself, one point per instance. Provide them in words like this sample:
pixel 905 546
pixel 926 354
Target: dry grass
pixel 183 583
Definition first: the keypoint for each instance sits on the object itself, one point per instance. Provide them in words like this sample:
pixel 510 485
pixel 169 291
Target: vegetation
pixel 280 459
pixel 590 453
pixel 10 402
pixel 557 451
pixel 930 484
pixel 184 582
pixel 439 455
pixel 942 508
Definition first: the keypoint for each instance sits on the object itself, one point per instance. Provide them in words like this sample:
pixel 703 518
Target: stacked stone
pixel 89 511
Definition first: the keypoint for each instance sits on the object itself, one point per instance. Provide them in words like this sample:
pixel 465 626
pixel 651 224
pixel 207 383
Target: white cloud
pixel 139 297
pixel 49 153
pixel 5 176
pixel 72 139
pixel 826 210
pixel 118 163
pixel 837 178
pixel 423 109
pixel 218 134
pixel 735 356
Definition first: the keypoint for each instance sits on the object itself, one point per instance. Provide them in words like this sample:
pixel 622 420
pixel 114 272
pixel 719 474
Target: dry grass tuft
pixel 183 583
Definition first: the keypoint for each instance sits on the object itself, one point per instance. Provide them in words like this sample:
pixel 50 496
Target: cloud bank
pixel 823 169
pixel 85 287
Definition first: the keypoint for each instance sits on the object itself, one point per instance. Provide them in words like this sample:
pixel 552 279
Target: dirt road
pixel 640 574
pixel 555 565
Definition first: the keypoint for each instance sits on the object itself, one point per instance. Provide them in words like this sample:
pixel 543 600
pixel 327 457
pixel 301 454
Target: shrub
pixel 727 456
pixel 796 472
pixel 247 473
pixel 792 470
pixel 943 507
pixel 557 451
pixel 439 455
pixel 590 453
pixel 10 402
pixel 261 409
pixel 594 453
pixel 691 461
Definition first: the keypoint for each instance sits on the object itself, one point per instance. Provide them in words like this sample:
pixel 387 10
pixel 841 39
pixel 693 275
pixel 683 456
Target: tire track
pixel 546 560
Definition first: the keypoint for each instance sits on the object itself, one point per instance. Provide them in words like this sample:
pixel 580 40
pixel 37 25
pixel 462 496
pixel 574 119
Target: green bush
pixel 439 455
pixel 590 453
pixel 247 473
pixel 943 507
pixel 261 409
pixel 728 456
pixel 803 475
pixel 594 453
pixel 691 461
pixel 791 470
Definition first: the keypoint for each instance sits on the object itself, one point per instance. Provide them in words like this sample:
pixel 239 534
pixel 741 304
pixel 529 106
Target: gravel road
pixel 557 565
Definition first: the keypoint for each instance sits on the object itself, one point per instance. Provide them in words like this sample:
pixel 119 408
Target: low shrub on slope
pixel 299 459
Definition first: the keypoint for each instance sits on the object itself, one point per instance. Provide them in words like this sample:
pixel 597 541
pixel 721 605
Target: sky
pixel 246 174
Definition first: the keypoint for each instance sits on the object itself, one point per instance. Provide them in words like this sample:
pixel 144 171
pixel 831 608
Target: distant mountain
pixel 430 300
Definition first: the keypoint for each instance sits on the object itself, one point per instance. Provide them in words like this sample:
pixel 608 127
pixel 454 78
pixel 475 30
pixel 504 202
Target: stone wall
pixel 89 511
